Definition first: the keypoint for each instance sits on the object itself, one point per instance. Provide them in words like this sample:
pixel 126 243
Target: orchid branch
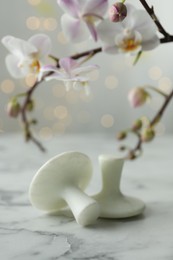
pixel 137 150
pixel 151 12
pixel 28 96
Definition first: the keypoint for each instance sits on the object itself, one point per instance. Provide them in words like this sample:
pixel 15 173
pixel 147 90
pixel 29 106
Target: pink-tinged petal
pixel 18 47
pixel 151 44
pixel 85 69
pixel 97 7
pixel 128 22
pixel 13 68
pixel 92 30
pixel 74 29
pixel 42 43
pixel 107 31
pixel 64 78
pixel 111 49
pixel 55 76
pixel 51 68
pixel 70 7
pixel 77 79
pixel 68 64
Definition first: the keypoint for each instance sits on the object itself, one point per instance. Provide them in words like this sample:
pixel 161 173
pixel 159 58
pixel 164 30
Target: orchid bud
pixel 137 125
pixel 131 156
pixel 137 96
pixel 117 12
pixel 13 108
pixel 30 105
pixel 147 135
pixel 121 135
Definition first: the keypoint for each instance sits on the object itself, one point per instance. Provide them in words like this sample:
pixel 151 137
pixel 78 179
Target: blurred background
pixel 106 109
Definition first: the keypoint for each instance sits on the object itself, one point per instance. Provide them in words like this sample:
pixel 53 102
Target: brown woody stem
pixel 28 95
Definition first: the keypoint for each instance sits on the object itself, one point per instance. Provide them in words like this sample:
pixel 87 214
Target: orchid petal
pixel 128 22
pixel 74 29
pixel 144 25
pixel 65 79
pixel 111 49
pixel 68 64
pixel 92 30
pixel 142 20
pixel 18 47
pixel 107 30
pixel 42 43
pixel 70 7
pixel 49 68
pixel 13 68
pixel 97 7
pixel 55 76
pixel 85 69
pixel 151 44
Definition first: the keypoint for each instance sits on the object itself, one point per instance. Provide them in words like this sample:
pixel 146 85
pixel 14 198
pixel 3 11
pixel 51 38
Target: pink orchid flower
pixel 81 17
pixel 71 73
pixel 26 57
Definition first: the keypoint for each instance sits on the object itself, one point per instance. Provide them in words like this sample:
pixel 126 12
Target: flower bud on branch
pixel 138 96
pixel 13 108
pixel 147 134
pixel 117 12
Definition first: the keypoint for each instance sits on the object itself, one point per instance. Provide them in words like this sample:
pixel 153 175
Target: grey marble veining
pixel 29 234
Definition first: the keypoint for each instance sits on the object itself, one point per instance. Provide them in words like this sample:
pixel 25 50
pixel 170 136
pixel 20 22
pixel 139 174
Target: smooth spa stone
pixel 29 234
pixel 113 203
pixel 61 181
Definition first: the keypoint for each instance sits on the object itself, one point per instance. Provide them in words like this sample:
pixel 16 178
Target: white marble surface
pixel 28 234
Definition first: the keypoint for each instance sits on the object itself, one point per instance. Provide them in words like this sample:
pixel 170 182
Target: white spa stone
pixel 114 204
pixel 61 181
pixel 27 234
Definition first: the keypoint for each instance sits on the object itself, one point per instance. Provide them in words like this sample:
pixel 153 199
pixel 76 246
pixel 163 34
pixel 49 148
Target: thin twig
pixel 28 97
pixel 150 11
pixel 153 122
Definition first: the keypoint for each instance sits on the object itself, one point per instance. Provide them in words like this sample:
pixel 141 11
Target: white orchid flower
pixel 81 17
pixel 26 56
pixel 71 73
pixel 137 32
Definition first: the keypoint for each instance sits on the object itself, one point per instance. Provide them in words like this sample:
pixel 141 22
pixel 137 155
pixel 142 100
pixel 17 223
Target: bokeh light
pixel 33 23
pixel 61 38
pixel 165 84
pixel 7 86
pixel 111 82
pixel 34 2
pixel 107 120
pixel 50 24
pixel 155 73
pixel 60 112
pixel 46 133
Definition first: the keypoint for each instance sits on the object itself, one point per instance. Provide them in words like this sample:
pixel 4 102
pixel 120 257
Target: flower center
pixel 30 66
pixel 35 66
pixel 91 18
pixel 129 41
pixel 129 45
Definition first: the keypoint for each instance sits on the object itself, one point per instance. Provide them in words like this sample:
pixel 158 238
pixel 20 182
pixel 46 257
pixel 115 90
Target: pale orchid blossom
pixel 26 56
pixel 137 32
pixel 71 73
pixel 81 17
